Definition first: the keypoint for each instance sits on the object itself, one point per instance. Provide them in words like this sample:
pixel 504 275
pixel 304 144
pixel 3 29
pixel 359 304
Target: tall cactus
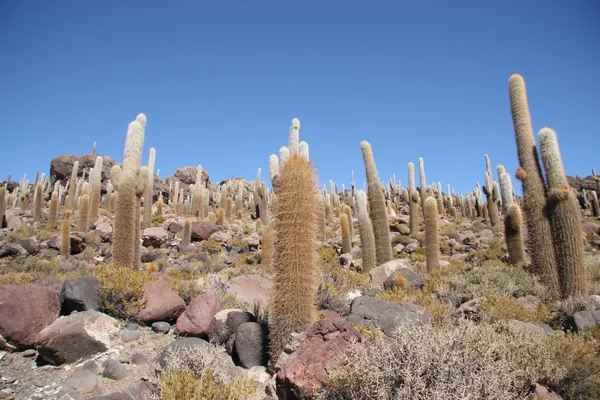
pixel 2 205
pixel 70 205
pixel 346 237
pixel 125 181
pixel 381 228
pixel 432 241
pixel 96 189
pixel 149 193
pixel 37 202
pixel 365 230
pixel 413 201
pixel 65 235
pixel 565 218
pixel 491 193
pixel 513 231
pixel 295 272
pixel 543 260
pixel 84 213
pixel 595 207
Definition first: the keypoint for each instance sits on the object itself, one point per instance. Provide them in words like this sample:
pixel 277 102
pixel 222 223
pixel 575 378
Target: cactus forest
pixel 117 284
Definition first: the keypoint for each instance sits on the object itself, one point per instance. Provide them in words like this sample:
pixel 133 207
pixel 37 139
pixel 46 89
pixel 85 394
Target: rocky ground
pixel 80 327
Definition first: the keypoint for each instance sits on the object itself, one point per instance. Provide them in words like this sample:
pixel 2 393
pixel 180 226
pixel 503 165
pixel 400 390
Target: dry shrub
pixel 493 277
pixel 466 361
pixel 201 373
pixel 122 289
pixel 507 307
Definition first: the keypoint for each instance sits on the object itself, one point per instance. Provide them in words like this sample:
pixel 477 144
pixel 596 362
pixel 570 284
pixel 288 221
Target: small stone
pixel 113 369
pixel 139 358
pixel 132 326
pixel 161 327
pixel 130 336
pixel 28 353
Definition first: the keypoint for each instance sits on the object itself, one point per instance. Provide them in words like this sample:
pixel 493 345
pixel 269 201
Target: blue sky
pixel 220 82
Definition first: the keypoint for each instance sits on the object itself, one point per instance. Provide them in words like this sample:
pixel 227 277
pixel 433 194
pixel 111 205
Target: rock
pixel 410 247
pixel 83 380
pixel 187 175
pixel 222 237
pixel 384 314
pixel 30 245
pixel 154 237
pixel 345 260
pixel 203 230
pixel 61 168
pixel 252 241
pixel 12 250
pixel 398 248
pixel 77 243
pixel 28 353
pixel 586 319
pixel 162 303
pixel 542 328
pixel 130 336
pixel 80 294
pixel 250 344
pixel 595 301
pixel 51 283
pixel 174 226
pixel 161 327
pixel 412 280
pixel 591 227
pixel 529 303
pixel 182 344
pixel 544 394
pixel 113 369
pixel 139 358
pixel 381 273
pixel 197 317
pixel 114 396
pixel 470 308
pixel 250 288
pixel 24 311
pixel 486 233
pixel 305 370
pixel 12 220
pixel 225 323
pixel 76 336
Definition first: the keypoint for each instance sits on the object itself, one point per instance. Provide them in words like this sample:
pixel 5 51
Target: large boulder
pixel 250 344
pixel 187 175
pixel 226 322
pixel 198 315
pixel 24 311
pixel 305 370
pixel 62 166
pixel 154 237
pixel 178 346
pixel 203 230
pixel 586 319
pixel 80 294
pixel 76 336
pixel 162 304
pixel 384 314
pixel 384 271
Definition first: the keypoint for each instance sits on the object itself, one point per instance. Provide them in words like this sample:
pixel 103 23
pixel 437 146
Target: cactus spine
pixel 413 201
pixel 381 229
pixel 543 261
pixel 432 242
pixel 267 247
pixel 37 202
pixel 295 272
pixel 65 235
pixel 565 218
pixel 220 217
pixel 72 186
pixel 365 230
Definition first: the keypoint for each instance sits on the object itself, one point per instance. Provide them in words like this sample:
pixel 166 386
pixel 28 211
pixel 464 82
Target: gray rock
pixel 76 336
pixel 385 315
pixel 139 358
pixel 30 245
pixel 130 336
pixel 154 237
pixel 83 380
pixel 161 327
pixel 225 323
pixel 586 319
pixel 250 288
pixel 181 344
pixel 12 250
pixel 412 280
pixel 113 369
pixel 542 328
pixel 80 294
pixel 529 302
pixel 382 272
pixel 250 344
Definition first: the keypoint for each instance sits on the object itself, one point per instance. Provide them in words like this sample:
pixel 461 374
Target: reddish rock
pixel 305 370
pixel 203 230
pixel 24 311
pixel 198 315
pixel 250 288
pixel 162 303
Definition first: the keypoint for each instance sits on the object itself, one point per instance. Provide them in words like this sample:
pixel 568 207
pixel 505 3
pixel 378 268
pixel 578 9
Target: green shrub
pixel 122 289
pixel 507 307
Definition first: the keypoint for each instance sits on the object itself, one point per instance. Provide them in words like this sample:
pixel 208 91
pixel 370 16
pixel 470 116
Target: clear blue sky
pixel 220 82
